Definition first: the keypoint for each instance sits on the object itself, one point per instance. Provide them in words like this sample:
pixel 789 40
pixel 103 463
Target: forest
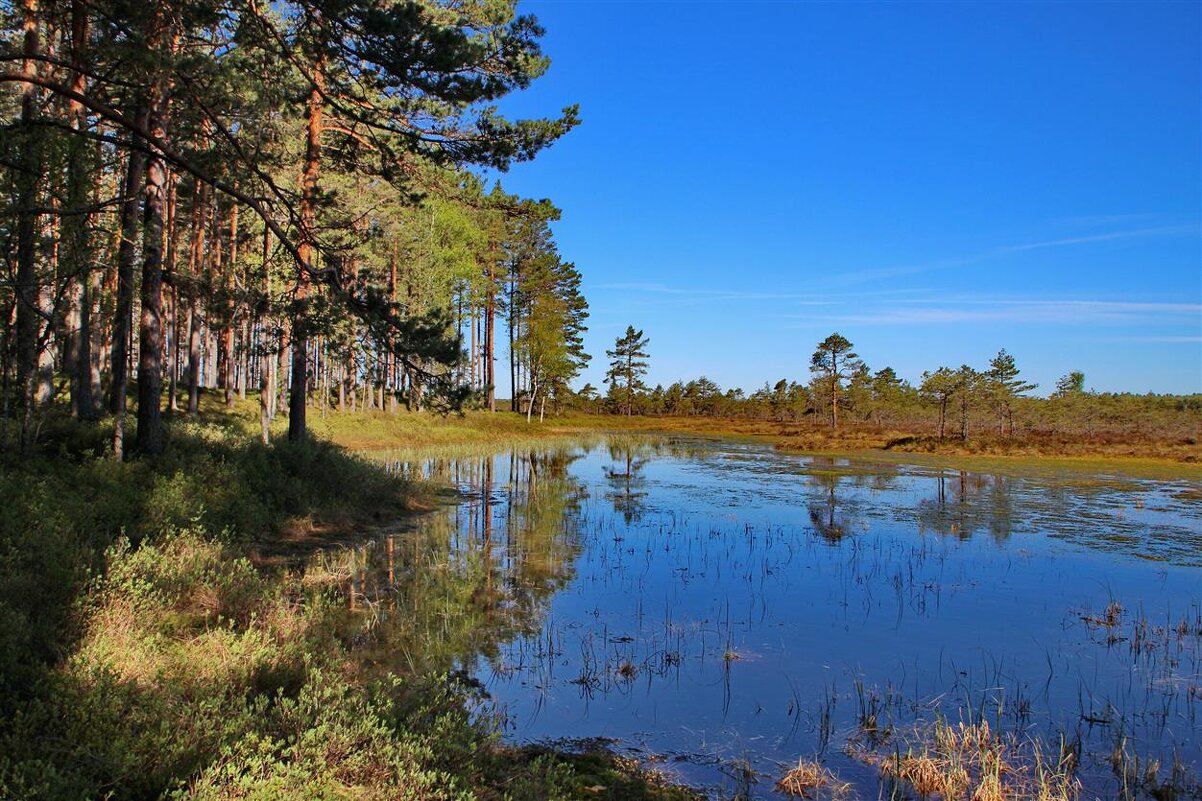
pixel 287 201
pixel 281 197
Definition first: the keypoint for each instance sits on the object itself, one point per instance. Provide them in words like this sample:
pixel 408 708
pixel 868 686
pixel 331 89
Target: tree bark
pixel 227 332
pixel 135 173
pixel 75 235
pixel 267 368
pixel 29 183
pixel 195 260
pixel 123 318
pixel 834 392
pixel 150 332
pixel 308 219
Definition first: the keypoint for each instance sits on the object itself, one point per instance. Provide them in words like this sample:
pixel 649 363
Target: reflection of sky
pixel 931 598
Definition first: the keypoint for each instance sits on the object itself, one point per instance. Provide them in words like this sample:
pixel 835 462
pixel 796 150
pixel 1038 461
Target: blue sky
pixel 934 181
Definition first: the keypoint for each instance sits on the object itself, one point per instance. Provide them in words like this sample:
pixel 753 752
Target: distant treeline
pixel 961 402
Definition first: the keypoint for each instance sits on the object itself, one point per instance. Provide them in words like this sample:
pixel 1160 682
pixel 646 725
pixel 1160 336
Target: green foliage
pixel 1070 384
pixel 141 658
pixel 832 362
pixel 627 367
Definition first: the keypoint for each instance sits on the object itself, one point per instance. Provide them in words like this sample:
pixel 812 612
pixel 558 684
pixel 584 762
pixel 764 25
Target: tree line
pixel 843 390
pixel 278 197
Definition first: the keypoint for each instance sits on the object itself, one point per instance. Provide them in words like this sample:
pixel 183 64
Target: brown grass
pixel 807 778
pixel 377 430
pixel 969 761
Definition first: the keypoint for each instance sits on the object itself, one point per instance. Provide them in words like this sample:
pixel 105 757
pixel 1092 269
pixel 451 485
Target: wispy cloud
pixel 792 298
pixel 1059 311
pixel 1087 220
pixel 710 294
pixel 1152 340
pixel 1164 230
pixel 878 273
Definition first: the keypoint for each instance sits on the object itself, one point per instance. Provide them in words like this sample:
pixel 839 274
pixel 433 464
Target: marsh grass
pixel 971 761
pixel 807 778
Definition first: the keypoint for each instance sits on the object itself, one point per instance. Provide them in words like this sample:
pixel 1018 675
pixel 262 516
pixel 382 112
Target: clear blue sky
pixel 934 181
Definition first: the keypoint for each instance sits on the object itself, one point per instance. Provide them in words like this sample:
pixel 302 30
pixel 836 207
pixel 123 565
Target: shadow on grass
pixel 62 507
pixel 143 654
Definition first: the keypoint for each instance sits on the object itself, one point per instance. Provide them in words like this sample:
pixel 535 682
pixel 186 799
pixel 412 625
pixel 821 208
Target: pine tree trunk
pixel 490 311
pixel 28 186
pixel 171 338
pixel 227 332
pixel 834 392
pixel 267 366
pixel 173 372
pixel 193 355
pixel 308 220
pixel 135 174
pixel 75 235
pixel 150 356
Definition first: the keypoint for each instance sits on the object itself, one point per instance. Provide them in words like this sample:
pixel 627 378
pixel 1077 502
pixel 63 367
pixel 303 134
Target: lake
pixel 722 610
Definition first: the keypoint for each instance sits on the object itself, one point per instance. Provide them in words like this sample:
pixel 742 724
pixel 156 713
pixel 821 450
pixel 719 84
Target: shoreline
pixel 376 432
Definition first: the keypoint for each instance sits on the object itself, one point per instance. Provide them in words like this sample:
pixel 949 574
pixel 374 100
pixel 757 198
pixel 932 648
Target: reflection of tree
pixel 824 510
pixel 967 502
pixel 475 575
pixel 626 481
pixel 832 516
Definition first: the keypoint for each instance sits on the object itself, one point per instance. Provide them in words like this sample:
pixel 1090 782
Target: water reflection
pixel 714 601
pixel 965 503
pixel 475 575
pixel 626 480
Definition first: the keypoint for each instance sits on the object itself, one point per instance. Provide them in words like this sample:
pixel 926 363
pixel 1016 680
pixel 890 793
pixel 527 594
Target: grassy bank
pixel 149 650
pixel 1150 457
pixel 1156 459
pixel 367 431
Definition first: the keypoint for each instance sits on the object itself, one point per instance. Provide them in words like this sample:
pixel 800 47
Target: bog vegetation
pixel 848 404
pixel 162 635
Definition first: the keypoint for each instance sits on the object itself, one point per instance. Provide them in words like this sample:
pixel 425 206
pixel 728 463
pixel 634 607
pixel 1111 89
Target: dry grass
pixel 970 761
pixel 377 430
pixel 1109 618
pixel 807 778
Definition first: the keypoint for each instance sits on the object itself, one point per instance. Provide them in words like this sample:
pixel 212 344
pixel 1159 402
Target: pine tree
pixel 1004 387
pixel 940 386
pixel 831 363
pixel 627 367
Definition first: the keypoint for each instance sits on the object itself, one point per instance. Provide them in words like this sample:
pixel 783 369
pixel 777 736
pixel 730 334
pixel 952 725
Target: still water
pixel 722 610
